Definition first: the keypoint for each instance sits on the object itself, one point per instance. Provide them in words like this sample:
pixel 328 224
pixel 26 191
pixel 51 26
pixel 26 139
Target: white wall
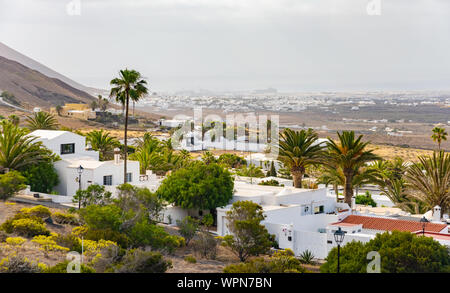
pixel 54 144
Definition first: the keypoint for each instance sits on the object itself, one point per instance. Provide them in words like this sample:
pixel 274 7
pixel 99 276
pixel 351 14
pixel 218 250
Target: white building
pixel 297 217
pixel 71 148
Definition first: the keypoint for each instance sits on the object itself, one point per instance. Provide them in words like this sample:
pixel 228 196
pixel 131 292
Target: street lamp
pixel 339 238
pixel 80 171
pixel 424 222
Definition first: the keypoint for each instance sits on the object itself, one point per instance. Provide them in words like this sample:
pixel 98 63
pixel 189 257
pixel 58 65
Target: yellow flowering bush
pixel 15 241
pixel 62 218
pixel 37 211
pixel 10 203
pixel 48 243
pixel 29 227
pixel 92 247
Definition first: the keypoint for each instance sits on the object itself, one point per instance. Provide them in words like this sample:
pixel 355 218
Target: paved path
pixel 11 105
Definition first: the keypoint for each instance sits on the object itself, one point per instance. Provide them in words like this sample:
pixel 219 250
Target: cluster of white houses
pixel 300 219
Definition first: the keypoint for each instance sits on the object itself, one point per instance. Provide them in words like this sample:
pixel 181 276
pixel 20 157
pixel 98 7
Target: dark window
pixel 68 148
pixel 129 177
pixel 329 242
pixel 319 210
pixel 107 180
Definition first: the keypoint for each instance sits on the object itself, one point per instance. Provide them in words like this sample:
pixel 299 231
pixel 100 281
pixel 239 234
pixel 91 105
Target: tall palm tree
pixel 42 120
pixel 439 134
pixel 17 148
pixel 429 180
pixel 349 154
pixel 297 150
pixel 103 142
pixel 129 85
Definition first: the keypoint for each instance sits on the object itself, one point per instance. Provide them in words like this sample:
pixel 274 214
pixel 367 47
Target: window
pixel 107 180
pixel 318 210
pixel 68 148
pixel 129 177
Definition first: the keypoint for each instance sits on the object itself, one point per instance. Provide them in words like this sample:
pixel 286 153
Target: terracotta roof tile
pixel 385 224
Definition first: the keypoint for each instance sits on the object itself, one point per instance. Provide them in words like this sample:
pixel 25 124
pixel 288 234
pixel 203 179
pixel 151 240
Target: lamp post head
pixel 424 221
pixel 339 236
pixel 80 170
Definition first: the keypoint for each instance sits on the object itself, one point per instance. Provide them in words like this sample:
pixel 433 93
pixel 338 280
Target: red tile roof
pixel 385 224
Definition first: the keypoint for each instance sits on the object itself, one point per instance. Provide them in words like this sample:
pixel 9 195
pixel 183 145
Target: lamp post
pixel 339 238
pixel 424 222
pixel 80 171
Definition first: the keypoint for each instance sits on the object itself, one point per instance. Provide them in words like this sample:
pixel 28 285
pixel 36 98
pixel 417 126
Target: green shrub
pixel 205 245
pixel 62 218
pixel 400 252
pixel 271 182
pixel 108 234
pixel 145 234
pixel 280 262
pixel 306 257
pixel 29 228
pixel 3 236
pixel 70 241
pixel 18 264
pixel 365 200
pixel 37 211
pixel 190 259
pixel 61 268
pixel 187 228
pixel 141 261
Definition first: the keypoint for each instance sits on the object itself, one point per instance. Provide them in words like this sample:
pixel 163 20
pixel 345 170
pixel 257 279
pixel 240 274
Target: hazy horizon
pixel 217 45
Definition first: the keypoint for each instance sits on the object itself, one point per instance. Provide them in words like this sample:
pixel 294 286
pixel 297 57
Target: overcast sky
pixel 292 45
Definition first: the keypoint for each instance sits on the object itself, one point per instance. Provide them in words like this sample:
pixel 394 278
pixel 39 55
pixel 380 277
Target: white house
pixel 65 144
pixel 297 217
pixel 71 148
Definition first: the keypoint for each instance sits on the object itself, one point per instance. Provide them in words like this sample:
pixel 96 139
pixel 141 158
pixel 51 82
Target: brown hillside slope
pixel 33 88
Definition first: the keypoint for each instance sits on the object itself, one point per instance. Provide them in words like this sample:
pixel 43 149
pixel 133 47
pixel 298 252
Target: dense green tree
pixel 129 85
pixel 297 150
pixel 401 252
pixel 93 195
pixel 198 186
pixel 10 183
pixel 41 177
pixel 247 236
pixel 42 120
pixel 231 161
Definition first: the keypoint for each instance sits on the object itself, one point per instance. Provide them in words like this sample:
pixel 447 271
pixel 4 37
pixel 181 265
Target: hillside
pixel 12 54
pixel 32 88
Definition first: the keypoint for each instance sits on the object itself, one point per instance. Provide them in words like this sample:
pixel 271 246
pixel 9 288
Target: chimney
pixel 436 214
pixel 116 156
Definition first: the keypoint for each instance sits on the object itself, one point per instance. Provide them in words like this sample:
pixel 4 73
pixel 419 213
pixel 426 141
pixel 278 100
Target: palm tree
pixel 348 154
pixel 42 120
pixel 429 180
pixel 101 141
pixel 148 153
pixel 14 119
pixel 297 150
pixel 439 134
pixel 17 148
pixel 129 85
pixel 58 109
pixel 94 105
